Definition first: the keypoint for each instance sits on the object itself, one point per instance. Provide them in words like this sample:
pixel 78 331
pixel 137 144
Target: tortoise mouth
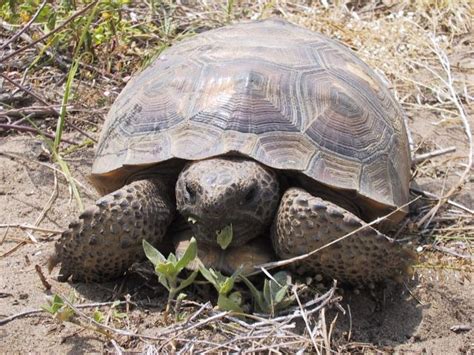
pixel 206 230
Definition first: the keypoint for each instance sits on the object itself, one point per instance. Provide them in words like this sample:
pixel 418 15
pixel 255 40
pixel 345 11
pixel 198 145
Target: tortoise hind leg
pixel 305 223
pixel 107 238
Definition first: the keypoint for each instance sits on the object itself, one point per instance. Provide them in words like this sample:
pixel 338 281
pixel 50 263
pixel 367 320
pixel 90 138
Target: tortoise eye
pixel 251 194
pixel 190 193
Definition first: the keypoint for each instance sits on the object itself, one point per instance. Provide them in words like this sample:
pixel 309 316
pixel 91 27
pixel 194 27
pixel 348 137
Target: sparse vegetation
pixel 275 296
pixel 227 300
pixel 169 268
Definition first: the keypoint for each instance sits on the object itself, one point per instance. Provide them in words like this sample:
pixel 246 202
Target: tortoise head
pixel 218 192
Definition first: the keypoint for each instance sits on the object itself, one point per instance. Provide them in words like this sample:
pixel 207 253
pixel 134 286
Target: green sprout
pixel 169 269
pixel 63 310
pixel 59 309
pixel 113 313
pixel 226 301
pixel 98 316
pixel 274 296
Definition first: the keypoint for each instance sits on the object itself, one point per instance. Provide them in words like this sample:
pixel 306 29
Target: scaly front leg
pixel 107 238
pixel 305 223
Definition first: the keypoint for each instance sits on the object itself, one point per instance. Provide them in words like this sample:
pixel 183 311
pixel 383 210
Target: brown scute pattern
pixel 304 223
pixel 107 238
pixel 285 96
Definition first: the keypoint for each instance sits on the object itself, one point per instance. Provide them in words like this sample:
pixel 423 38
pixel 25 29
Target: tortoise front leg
pixel 304 223
pixel 107 238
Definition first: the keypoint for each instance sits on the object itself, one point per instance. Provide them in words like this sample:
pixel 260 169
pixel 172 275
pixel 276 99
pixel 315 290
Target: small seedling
pixel 98 316
pixel 63 311
pixel 112 314
pixel 116 314
pixel 169 269
pixel 226 301
pixel 59 309
pixel 274 296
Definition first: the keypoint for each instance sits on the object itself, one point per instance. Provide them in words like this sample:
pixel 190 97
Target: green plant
pixel 274 296
pixel 169 269
pixel 62 112
pixel 224 284
pixel 59 309
pixel 113 314
pixel 63 310
pixel 229 10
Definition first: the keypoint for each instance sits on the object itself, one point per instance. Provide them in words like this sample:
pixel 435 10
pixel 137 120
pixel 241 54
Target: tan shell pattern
pixel 283 95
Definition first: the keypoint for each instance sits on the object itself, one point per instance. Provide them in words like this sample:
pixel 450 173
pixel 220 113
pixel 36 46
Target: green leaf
pixel 187 282
pixel 224 237
pixel 283 278
pixel 120 315
pixel 226 286
pixel 210 276
pixel 51 21
pixel 54 305
pixel 172 259
pixel 188 256
pixel 152 254
pixel 228 283
pixel 266 292
pixel 181 297
pixel 229 304
pixel 256 294
pixel 59 309
pixel 164 281
pixel 236 297
pixel 47 308
pixel 280 294
pixel 98 316
pixel 279 287
pixel 166 268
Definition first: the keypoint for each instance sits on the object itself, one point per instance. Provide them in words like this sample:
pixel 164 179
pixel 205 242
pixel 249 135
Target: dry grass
pixel 423 49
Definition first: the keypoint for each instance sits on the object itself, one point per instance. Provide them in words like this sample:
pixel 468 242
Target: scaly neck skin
pixel 227 190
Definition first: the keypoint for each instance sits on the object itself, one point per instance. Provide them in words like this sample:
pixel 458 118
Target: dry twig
pixel 30 227
pixel 419 158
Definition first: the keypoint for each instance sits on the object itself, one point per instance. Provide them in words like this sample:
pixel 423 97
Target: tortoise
pixel 274 129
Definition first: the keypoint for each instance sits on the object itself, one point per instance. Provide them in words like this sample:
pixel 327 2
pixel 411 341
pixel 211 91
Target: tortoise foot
pixel 107 238
pixel 305 223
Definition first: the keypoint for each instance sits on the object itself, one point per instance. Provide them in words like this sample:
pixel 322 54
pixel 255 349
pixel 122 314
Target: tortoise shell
pixel 285 96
